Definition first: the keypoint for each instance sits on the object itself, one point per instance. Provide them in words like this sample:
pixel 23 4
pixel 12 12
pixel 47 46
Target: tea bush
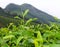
pixel 30 35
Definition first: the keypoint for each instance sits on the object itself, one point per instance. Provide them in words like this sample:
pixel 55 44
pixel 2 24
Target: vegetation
pixel 4 21
pixel 30 35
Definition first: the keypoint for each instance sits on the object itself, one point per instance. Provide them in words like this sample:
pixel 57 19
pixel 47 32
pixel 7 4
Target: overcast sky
pixel 49 6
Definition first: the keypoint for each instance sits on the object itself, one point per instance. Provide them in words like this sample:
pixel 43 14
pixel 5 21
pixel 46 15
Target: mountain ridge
pixel 13 10
pixel 33 12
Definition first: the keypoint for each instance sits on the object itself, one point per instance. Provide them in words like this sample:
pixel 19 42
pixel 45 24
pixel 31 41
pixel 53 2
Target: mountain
pixel 6 18
pixel 2 13
pixel 33 12
pixel 6 13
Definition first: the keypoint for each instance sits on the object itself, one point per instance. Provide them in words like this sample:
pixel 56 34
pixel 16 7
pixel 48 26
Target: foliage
pixel 30 35
pixel 4 21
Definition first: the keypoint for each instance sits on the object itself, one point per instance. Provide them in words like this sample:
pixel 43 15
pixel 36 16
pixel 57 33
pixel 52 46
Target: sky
pixel 51 7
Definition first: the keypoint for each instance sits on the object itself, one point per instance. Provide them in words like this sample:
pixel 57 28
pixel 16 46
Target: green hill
pixel 33 12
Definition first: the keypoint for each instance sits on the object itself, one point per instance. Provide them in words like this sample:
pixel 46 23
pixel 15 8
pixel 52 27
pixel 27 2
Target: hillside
pixel 33 12
pixel 6 18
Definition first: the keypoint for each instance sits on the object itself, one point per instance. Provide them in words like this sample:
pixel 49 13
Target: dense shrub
pixel 30 35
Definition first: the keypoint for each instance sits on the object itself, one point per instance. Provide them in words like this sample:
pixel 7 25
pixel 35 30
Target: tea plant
pixel 30 35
